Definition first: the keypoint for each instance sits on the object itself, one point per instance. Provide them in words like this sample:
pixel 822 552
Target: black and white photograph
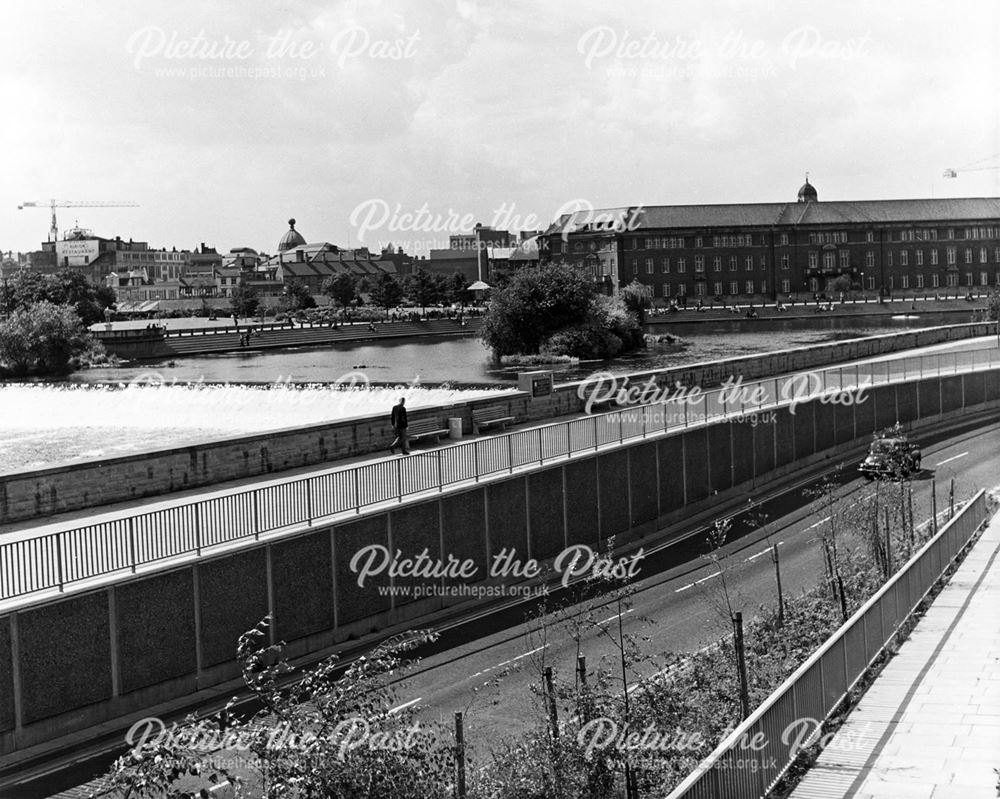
pixel 494 399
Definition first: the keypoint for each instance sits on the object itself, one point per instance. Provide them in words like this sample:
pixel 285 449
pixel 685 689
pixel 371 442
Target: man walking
pixel 398 419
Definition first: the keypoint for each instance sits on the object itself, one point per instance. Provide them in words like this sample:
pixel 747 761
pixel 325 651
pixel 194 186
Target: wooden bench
pixel 425 428
pixel 493 415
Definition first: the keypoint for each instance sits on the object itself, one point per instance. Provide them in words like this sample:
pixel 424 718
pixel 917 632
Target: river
pixel 465 362
pixel 102 413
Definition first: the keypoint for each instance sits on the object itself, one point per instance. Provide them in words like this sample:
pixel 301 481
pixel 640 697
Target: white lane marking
pixel 642 684
pixel 821 521
pixel 405 705
pixel 611 618
pixel 754 557
pixel 512 660
pixel 953 458
pixel 696 582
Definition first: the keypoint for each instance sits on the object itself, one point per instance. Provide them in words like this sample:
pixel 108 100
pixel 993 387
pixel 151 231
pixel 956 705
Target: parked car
pixel 891 457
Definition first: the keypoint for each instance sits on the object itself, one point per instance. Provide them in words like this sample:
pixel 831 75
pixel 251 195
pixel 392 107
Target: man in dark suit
pixel 398 419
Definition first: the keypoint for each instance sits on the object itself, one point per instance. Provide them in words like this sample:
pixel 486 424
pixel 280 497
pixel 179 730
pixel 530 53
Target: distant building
pixel 479 255
pixel 760 251
pixel 313 263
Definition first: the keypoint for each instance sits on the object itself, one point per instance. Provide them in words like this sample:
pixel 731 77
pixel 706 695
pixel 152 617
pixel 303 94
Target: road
pixel 673 606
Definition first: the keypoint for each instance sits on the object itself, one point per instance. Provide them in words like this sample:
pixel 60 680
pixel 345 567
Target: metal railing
pixel 739 770
pixel 53 560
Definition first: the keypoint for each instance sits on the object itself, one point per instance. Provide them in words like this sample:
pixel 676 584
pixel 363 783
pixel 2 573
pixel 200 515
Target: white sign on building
pixel 77 252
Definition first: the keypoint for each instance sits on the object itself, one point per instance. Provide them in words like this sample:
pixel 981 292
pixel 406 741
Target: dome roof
pixel 807 194
pixel 291 239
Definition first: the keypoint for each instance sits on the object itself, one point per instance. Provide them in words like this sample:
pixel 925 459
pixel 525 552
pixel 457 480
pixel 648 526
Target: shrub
pixel 41 338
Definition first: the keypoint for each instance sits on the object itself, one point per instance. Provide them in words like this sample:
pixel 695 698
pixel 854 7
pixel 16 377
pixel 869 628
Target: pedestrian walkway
pixel 930 724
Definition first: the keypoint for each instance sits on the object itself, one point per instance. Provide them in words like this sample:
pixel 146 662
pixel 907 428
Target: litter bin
pixel 455 429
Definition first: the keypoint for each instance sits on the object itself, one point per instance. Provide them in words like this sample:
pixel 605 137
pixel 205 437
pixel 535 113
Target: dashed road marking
pixel 953 458
pixel 405 705
pixel 696 582
pixel 754 557
pixel 512 660
pixel 611 618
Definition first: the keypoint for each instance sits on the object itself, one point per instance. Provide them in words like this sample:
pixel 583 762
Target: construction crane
pixel 53 204
pixel 953 173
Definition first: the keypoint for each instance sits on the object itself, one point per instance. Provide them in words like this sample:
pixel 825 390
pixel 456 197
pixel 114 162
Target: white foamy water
pixel 46 424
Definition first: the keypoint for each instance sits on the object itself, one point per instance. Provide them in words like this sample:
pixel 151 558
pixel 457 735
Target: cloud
pixel 224 123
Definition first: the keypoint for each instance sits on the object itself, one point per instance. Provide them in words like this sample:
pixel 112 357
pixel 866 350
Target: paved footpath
pixel 930 724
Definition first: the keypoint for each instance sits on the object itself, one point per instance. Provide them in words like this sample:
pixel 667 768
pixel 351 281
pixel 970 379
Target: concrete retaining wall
pixel 74 486
pixel 101 654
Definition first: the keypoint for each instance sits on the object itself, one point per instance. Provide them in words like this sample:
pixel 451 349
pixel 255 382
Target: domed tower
pixel 291 239
pixel 807 194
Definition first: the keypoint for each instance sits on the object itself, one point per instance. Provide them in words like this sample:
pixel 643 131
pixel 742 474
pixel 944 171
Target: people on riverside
pixel 398 420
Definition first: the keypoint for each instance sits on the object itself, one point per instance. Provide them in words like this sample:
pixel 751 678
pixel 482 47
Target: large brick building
pixel 777 250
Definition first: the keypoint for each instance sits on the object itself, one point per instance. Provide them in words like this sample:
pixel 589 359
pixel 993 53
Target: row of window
pixel 680 264
pixel 828 237
pixel 831 260
pixel 815 238
pixel 951 254
pixel 739 240
pixel 951 280
pixel 926 234
pixel 750 287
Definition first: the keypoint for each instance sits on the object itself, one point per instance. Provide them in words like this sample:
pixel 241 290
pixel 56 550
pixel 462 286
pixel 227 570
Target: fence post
pixel 550 695
pixel 541 448
pixel 934 505
pixel 131 541
pixel 475 455
pixel 440 474
pixel 888 545
pixel 741 663
pixel 951 500
pixel 309 502
pixel 569 441
pixel 510 452
pixel 459 756
pixel 59 560
pixel 197 528
pixel 357 491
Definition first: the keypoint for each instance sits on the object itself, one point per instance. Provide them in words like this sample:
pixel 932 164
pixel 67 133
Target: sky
pixel 409 120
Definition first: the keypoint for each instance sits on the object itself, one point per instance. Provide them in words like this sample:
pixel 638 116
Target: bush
pixel 533 305
pixel 41 338
pixel 584 342
pixel 554 309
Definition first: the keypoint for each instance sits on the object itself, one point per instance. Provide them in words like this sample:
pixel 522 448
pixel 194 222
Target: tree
pixel 535 304
pixel 841 284
pixel 993 307
pixel 324 736
pixel 42 338
pixel 245 301
pixel 423 288
pixel 342 288
pixel 453 288
pixel 386 293
pixel 67 287
pixel 637 297
pixel 296 296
